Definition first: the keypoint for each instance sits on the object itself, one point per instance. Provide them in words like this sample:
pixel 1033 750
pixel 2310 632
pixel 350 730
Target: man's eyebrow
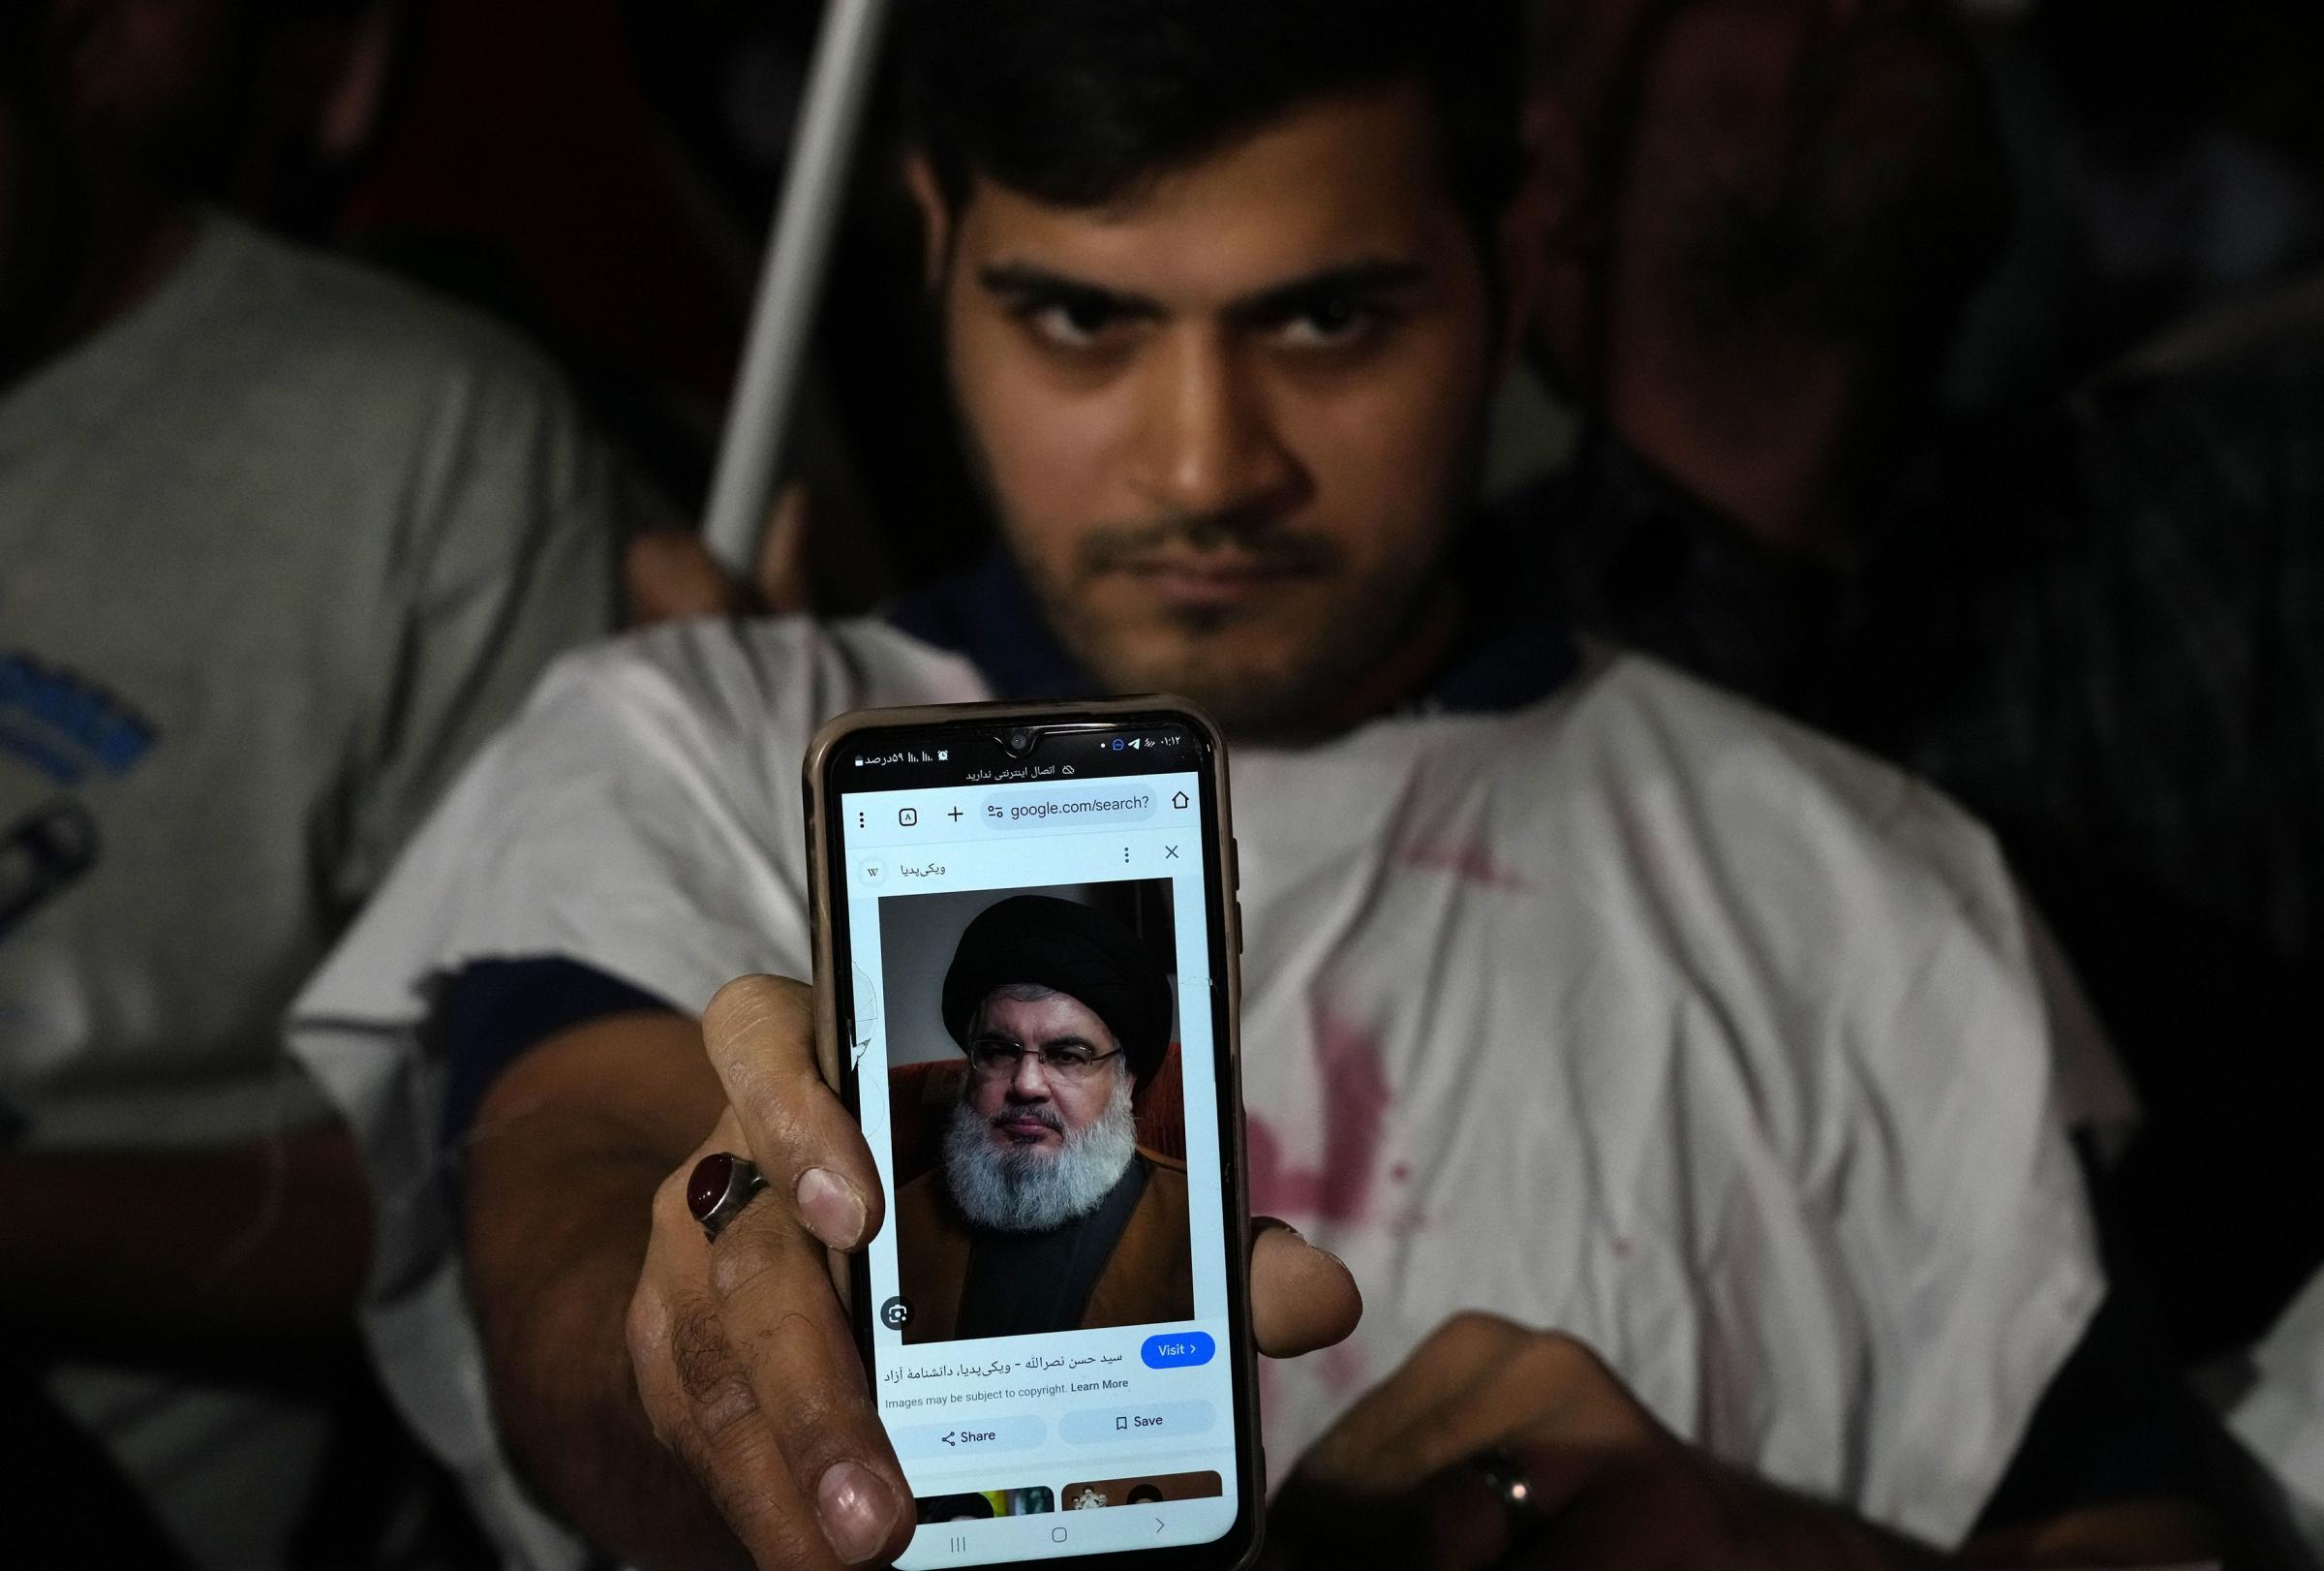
pixel 1025 283
pixel 1368 276
pixel 1070 1040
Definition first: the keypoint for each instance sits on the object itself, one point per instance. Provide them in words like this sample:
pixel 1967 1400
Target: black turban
pixel 1074 948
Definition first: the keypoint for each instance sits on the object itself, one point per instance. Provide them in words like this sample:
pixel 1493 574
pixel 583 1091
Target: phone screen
pixel 1033 1016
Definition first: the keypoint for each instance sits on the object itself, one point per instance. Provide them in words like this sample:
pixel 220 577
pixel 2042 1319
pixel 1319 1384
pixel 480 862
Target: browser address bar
pixel 1050 808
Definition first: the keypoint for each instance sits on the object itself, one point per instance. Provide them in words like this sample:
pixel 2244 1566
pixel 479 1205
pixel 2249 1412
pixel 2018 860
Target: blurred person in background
pixel 552 165
pixel 600 175
pixel 1661 1070
pixel 2099 624
pixel 281 540
pixel 518 159
pixel 1767 216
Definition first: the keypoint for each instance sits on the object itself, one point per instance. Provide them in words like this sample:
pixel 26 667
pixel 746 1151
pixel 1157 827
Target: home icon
pixel 1177 799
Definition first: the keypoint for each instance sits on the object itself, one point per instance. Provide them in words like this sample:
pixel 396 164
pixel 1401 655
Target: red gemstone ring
pixel 719 1187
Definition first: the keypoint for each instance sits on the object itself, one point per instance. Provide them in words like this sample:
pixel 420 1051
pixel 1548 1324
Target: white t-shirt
pixel 1637 1013
pixel 278 548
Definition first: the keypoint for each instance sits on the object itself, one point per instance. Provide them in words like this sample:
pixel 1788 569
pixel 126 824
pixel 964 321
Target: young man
pixel 1688 1095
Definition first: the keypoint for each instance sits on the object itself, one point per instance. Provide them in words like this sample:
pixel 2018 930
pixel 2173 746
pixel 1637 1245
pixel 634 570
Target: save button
pixel 1171 1420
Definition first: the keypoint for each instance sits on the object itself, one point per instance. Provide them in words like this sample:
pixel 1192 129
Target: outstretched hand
pixel 742 1348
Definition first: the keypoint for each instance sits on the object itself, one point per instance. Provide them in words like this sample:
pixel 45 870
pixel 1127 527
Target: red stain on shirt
pixel 1355 1092
pixel 1470 860
pixel 1340 1188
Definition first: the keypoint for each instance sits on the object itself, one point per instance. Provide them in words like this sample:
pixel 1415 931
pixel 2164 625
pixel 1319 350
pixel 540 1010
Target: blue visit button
pixel 1179 1350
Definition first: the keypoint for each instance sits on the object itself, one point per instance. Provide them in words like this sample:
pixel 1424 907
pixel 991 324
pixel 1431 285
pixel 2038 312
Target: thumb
pixel 1302 1297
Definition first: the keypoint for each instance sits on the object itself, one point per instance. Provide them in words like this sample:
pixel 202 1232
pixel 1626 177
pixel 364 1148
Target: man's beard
pixel 1254 699
pixel 1012 1189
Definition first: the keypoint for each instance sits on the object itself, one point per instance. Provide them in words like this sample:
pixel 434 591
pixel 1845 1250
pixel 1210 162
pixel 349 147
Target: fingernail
pixel 831 1207
pixel 857 1510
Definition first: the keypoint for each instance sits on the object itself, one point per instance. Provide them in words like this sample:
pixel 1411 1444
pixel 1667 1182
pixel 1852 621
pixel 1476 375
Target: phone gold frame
pixel 1223 868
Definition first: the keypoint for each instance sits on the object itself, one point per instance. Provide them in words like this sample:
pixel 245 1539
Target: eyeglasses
pixel 1070 1062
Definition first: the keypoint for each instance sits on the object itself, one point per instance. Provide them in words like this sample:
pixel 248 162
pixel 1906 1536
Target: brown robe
pixel 1149 1277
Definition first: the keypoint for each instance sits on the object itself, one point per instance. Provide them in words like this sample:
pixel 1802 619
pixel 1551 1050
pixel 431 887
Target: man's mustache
pixel 1040 1113
pixel 1270 545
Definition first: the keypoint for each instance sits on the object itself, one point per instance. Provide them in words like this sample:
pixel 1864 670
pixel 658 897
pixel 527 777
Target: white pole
pixel 766 386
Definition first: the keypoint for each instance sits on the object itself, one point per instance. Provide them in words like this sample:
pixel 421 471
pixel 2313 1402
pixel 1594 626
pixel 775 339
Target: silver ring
pixel 719 1187
pixel 1507 1480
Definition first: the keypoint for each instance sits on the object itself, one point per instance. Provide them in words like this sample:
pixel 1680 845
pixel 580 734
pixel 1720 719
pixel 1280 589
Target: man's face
pixel 1034 1109
pixel 143 75
pixel 1230 422
pixel 1797 165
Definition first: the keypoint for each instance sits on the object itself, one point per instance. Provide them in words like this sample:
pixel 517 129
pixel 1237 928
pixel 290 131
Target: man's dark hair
pixel 1080 102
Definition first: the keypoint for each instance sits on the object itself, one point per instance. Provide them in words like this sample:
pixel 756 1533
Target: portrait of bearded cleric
pixel 1037 1120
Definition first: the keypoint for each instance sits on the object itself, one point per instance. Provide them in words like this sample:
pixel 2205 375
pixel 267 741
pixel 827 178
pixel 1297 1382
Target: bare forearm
pixel 558 1192
pixel 221 1256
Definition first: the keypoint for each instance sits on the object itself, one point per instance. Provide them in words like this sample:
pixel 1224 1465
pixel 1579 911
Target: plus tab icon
pixel 956 815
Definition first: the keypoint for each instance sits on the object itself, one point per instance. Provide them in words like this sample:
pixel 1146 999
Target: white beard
pixel 1016 1190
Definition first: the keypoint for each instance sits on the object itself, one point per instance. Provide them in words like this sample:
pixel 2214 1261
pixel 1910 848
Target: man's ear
pixel 935 219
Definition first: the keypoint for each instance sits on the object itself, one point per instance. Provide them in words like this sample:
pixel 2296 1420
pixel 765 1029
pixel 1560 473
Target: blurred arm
pixel 217 1256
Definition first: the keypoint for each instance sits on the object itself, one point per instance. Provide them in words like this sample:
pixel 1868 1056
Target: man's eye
pixel 1072 324
pixel 1071 1057
pixel 1329 324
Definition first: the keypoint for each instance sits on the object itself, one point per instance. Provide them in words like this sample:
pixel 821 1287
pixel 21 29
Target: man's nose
pixel 1207 443
pixel 1030 1082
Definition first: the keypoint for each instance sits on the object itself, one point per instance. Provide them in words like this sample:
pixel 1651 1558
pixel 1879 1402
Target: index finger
pixel 759 1032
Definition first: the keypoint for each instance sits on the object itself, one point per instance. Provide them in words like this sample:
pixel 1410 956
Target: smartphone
pixel 1026 942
